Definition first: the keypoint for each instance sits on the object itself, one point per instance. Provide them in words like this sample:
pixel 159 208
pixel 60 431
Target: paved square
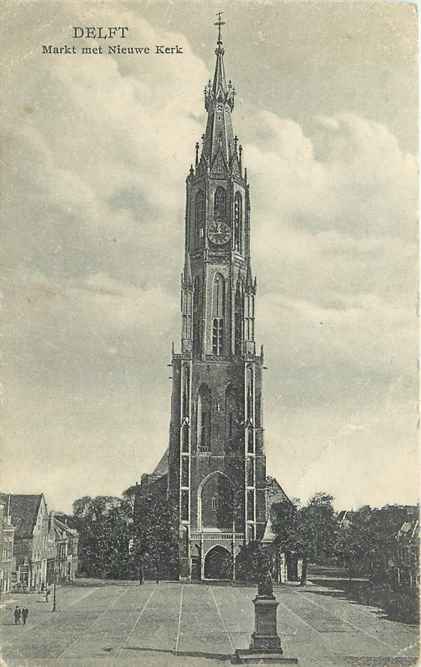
pixel 197 624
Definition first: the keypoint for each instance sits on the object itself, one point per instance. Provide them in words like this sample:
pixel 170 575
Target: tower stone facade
pixel 216 459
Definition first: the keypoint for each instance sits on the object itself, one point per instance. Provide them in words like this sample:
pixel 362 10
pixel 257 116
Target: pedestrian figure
pixel 141 577
pixel 47 594
pixel 25 613
pixel 16 614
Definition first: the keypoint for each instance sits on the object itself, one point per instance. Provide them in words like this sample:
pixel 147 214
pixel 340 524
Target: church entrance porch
pixel 212 553
pixel 218 564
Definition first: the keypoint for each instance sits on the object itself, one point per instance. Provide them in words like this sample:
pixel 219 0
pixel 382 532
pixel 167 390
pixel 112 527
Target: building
pixel 67 546
pixel 286 564
pixel 217 466
pixel 7 534
pixel 404 565
pixel 29 516
pixel 51 552
pixel 345 518
pixel 214 471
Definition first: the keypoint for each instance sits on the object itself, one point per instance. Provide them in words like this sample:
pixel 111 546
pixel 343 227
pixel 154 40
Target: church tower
pixel 217 466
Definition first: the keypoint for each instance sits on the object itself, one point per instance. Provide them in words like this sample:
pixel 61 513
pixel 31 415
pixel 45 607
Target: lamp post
pixel 54 608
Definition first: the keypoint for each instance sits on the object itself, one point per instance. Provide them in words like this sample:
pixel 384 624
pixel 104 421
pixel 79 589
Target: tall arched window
pixel 249 383
pixel 218 307
pixel 250 440
pixel 249 317
pixel 216 502
pixel 197 312
pixel 238 222
pixel 239 317
pixel 185 438
pixel 203 418
pixel 186 390
pixel 185 472
pixel 231 416
pixel 250 472
pixel 219 207
pixel 199 218
pixel 258 412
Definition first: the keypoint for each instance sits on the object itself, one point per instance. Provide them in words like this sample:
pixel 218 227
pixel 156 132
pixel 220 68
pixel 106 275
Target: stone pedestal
pixel 265 636
pixel 265 645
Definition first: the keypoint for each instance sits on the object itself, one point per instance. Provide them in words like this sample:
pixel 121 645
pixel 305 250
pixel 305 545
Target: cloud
pixel 334 232
pixel 100 166
pixel 335 237
pixel 95 158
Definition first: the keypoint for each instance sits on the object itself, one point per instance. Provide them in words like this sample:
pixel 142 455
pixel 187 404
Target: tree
pixel 252 561
pixel 367 543
pixel 310 531
pixel 355 542
pixel 155 539
pixel 103 524
pixel 129 494
pixel 285 524
pixel 318 528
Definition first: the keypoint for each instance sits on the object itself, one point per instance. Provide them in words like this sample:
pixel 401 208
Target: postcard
pixel 209 333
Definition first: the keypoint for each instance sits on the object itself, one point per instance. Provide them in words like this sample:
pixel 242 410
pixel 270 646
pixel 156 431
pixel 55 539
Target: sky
pixel 95 154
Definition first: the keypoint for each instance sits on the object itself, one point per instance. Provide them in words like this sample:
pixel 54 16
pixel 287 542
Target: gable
pixel 24 510
pixel 219 167
pixel 275 492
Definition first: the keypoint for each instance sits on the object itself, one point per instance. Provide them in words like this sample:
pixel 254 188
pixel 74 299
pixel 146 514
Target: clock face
pixel 219 232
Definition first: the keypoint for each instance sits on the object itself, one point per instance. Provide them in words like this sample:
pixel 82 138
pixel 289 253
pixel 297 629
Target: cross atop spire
pixel 219 23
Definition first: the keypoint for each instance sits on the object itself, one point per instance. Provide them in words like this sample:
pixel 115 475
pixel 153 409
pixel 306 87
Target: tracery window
pixel 239 317
pixel 185 438
pixel 218 307
pixel 197 311
pixel 186 390
pixel 203 418
pixel 231 416
pixel 220 202
pixel 199 218
pixel 250 440
pixel 238 222
pixel 249 382
pixel 185 471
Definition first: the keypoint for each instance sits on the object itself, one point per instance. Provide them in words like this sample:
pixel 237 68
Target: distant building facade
pixel 286 565
pixel 405 563
pixel 7 534
pixel 67 548
pixel 29 516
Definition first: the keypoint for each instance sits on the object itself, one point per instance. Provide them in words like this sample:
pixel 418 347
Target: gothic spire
pixel 218 145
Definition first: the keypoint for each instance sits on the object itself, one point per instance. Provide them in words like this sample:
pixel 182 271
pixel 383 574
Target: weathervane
pixel 219 23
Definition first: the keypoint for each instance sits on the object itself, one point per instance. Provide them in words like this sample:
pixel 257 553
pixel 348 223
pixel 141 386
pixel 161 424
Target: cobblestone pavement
pixel 197 624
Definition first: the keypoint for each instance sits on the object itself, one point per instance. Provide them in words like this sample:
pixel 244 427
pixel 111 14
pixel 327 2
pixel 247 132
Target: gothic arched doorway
pixel 218 564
